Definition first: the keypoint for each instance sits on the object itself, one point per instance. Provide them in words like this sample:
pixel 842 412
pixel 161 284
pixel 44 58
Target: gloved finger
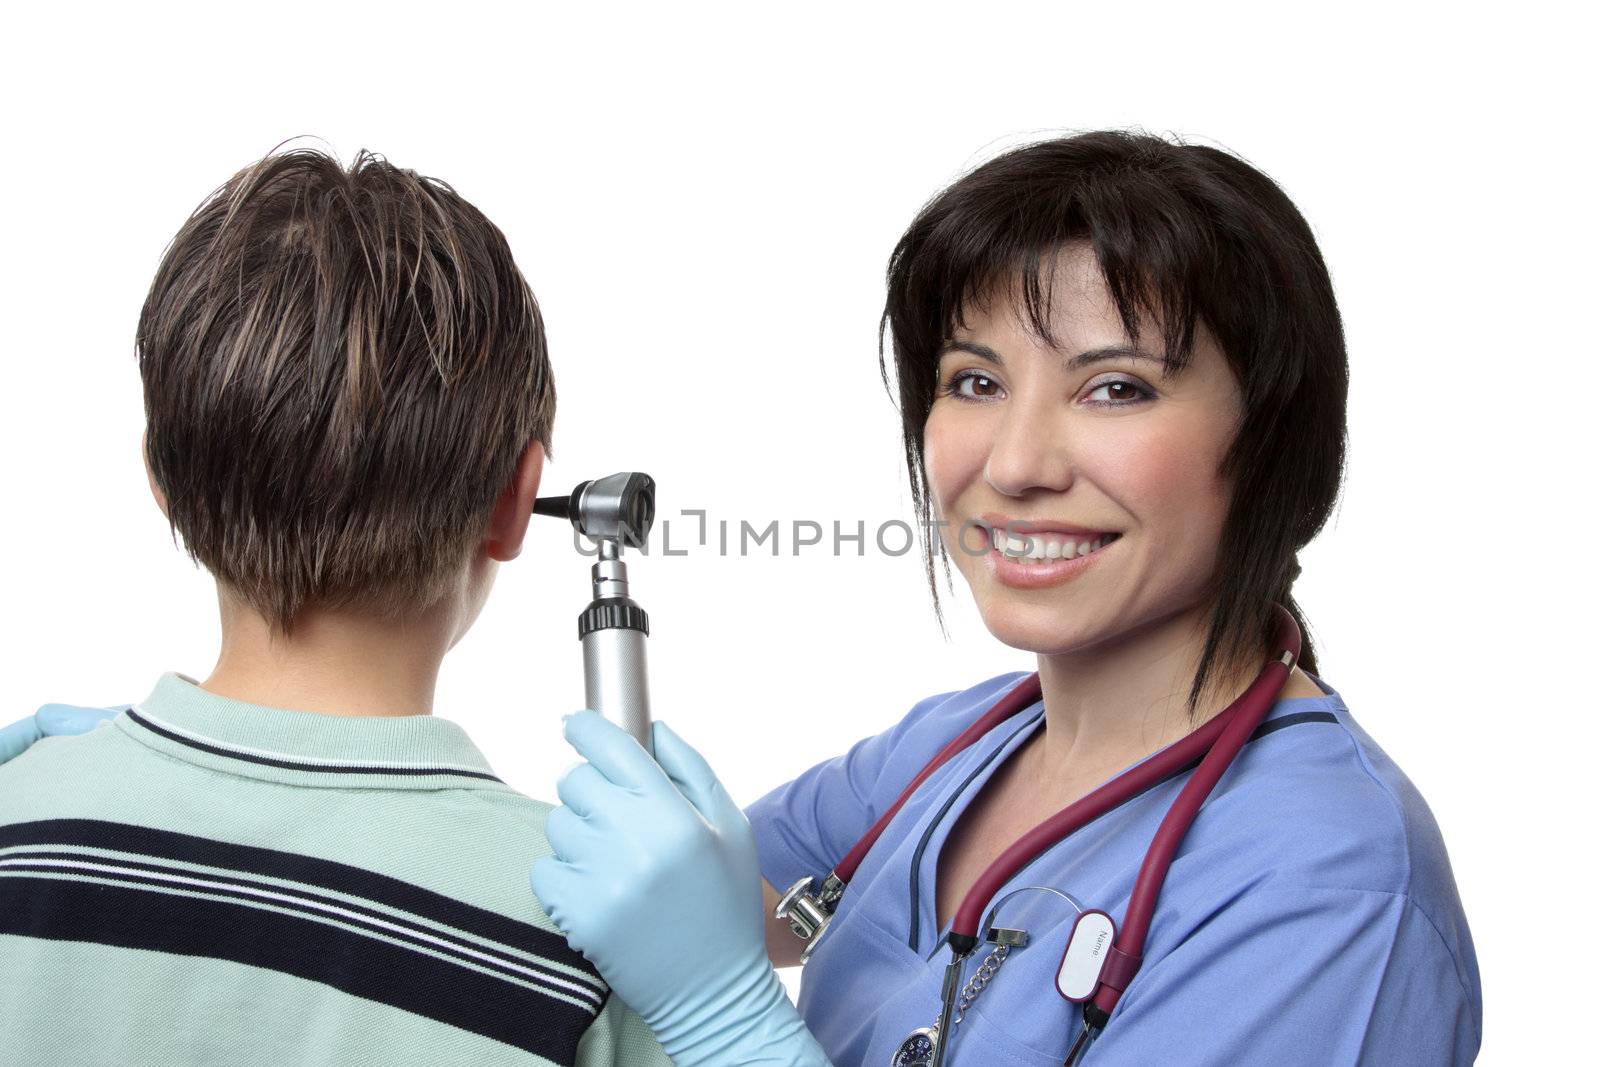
pixel 689 771
pixel 59 720
pixel 560 891
pixel 571 839
pixel 584 789
pixel 18 737
pixel 612 751
pixel 556 886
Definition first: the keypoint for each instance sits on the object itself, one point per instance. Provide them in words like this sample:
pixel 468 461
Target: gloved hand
pixel 655 880
pixel 52 720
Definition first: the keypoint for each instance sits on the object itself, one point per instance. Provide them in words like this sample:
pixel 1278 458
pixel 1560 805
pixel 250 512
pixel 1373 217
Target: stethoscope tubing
pixel 1243 716
pixel 1211 748
pixel 1203 741
pixel 1022 695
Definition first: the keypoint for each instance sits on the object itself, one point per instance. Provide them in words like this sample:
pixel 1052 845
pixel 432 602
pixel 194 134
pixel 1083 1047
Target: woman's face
pixel 1111 466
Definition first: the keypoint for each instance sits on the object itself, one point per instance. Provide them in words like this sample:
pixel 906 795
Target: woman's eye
pixel 973 385
pixel 1118 392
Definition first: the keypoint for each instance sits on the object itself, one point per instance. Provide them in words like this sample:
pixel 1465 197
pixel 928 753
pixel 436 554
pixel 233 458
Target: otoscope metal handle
pixel 613 628
pixel 614 681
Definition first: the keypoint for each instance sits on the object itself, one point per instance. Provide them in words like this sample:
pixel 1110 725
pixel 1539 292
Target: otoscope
pixel 613 511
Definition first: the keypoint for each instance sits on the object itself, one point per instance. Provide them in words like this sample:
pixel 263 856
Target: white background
pixel 704 200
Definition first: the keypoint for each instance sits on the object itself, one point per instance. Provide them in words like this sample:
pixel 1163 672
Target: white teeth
pixel 1045 546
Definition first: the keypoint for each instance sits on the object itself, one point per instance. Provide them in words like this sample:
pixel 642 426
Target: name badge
pixel 1084 958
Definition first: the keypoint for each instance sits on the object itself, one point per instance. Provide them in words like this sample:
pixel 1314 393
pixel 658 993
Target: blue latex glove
pixel 655 880
pixel 52 720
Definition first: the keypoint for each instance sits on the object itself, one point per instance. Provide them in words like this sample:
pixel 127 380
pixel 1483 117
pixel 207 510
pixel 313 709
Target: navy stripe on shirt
pixel 343 878
pixel 494 990
pixel 102 866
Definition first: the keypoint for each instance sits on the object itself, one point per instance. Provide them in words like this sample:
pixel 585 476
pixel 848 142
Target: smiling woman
pixel 1122 384
pixel 1123 260
pixel 1111 446
pixel 1081 441
pixel 1082 459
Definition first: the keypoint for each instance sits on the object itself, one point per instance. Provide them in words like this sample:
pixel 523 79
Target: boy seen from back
pixel 292 861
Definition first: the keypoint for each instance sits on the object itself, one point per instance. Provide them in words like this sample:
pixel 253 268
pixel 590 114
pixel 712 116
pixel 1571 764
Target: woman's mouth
pixel 1044 557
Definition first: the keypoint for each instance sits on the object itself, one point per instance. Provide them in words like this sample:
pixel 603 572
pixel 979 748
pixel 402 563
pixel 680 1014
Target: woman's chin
pixel 1037 629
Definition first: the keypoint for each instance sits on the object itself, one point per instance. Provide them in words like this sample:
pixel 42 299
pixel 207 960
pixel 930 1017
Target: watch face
pixel 916 1050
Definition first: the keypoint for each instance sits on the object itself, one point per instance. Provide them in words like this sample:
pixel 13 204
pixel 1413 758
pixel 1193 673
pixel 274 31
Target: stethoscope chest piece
pixel 809 914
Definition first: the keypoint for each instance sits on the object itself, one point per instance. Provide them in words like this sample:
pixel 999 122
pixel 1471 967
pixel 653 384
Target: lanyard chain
pixel 927 1047
pixel 979 980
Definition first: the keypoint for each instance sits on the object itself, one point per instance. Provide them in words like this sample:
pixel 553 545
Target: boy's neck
pixel 337 664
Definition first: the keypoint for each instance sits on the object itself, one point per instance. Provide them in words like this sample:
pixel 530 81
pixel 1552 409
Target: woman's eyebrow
pixel 1105 352
pixel 972 348
pixel 1082 359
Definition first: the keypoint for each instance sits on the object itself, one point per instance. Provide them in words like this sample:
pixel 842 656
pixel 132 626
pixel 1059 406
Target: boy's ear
pixel 509 524
pixel 155 490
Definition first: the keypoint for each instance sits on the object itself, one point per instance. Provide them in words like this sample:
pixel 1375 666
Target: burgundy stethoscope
pixel 1099 960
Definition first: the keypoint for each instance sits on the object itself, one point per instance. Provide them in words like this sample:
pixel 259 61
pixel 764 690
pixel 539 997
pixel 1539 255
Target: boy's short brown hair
pixel 341 370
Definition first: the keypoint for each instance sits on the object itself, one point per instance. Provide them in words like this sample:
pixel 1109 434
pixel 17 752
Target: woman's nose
pixel 1028 452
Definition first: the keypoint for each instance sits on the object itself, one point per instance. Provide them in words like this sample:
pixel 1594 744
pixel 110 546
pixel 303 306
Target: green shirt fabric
pixel 202 881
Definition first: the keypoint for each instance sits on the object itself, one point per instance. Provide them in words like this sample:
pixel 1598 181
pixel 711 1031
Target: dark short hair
pixel 1186 234
pixel 341 369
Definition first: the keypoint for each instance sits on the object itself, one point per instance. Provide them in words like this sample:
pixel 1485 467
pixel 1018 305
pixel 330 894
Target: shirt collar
pixel 306 747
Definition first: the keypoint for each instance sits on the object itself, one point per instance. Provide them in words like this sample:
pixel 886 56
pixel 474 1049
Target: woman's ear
pixel 155 490
pixel 509 524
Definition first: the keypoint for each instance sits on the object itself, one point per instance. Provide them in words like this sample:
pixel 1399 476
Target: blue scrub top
pixel 1310 915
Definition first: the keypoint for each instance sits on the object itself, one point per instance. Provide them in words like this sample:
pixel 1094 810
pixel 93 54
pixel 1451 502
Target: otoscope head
pixel 619 507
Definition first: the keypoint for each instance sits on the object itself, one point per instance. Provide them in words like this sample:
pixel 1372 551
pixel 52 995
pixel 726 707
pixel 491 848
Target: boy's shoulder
pixel 114 843
pixel 473 844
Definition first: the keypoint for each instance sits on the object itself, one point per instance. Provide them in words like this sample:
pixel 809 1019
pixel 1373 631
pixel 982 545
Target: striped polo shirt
pixel 204 881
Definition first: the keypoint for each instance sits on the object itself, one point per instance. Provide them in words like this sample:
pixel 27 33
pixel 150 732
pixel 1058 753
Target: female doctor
pixel 1122 379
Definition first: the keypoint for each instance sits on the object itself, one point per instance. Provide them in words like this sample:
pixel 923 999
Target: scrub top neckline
pixel 925 861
